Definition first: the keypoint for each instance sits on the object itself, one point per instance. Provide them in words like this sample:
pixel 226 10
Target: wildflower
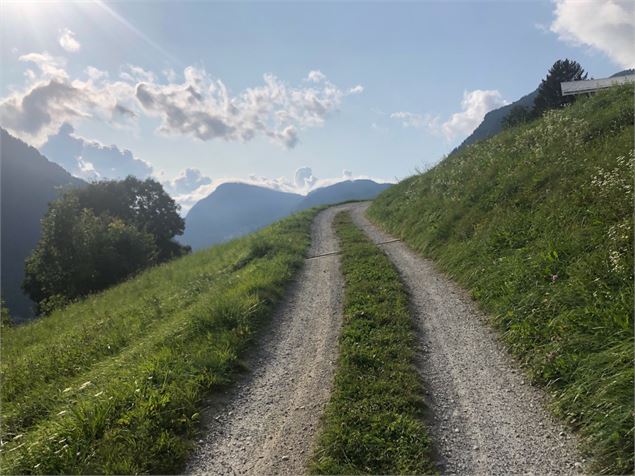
pixel 63 412
pixel 84 385
pixel 67 389
pixel 99 393
pixel 554 278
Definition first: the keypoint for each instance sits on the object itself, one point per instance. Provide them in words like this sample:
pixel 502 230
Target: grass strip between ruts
pixel 373 422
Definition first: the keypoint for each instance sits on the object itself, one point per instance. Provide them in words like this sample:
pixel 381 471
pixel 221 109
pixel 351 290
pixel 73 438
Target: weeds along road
pixel 266 423
pixel 485 417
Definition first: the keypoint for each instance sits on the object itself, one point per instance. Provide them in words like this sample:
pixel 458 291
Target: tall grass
pixel 538 223
pixel 114 384
pixel 373 423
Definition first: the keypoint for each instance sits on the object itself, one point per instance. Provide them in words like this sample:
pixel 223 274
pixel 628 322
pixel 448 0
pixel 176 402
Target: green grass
pixel 373 422
pixel 538 223
pixel 115 383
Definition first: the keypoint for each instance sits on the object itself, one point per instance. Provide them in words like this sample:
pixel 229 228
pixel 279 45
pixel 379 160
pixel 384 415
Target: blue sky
pixel 394 85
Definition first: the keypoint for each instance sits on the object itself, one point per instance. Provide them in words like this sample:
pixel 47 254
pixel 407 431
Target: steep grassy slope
pixel 373 423
pixel 113 384
pixel 538 223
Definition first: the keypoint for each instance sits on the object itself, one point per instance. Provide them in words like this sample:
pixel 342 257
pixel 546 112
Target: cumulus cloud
pixel 186 182
pixel 304 178
pixel 605 25
pixel 201 106
pixel 51 98
pixel 92 160
pixel 68 41
pixel 475 105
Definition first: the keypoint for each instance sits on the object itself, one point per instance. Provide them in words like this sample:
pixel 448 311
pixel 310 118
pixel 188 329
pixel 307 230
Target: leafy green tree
pixel 518 115
pixel 549 92
pixel 141 203
pixel 80 252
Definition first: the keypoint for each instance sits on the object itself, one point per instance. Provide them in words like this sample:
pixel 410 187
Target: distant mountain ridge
pixel 29 182
pixel 236 209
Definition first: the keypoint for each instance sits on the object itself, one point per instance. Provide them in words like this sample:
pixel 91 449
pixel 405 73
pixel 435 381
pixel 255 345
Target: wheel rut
pixel 266 423
pixel 485 416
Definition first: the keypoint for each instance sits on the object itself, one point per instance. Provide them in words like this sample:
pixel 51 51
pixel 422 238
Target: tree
pixel 518 115
pixel 549 92
pixel 143 204
pixel 80 252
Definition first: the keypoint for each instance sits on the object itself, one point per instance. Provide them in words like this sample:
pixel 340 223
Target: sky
pixel 290 95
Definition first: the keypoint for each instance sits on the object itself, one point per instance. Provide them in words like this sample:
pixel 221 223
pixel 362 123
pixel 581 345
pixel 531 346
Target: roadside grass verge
pixel 115 383
pixel 373 423
pixel 537 222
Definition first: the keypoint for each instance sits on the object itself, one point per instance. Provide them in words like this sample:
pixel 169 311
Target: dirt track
pixel 485 417
pixel 266 424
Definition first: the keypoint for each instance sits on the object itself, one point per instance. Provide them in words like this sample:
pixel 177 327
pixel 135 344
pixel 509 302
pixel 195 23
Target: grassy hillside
pixel 373 423
pixel 538 223
pixel 114 384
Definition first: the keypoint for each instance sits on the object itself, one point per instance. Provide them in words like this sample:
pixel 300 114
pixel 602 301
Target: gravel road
pixel 485 417
pixel 265 424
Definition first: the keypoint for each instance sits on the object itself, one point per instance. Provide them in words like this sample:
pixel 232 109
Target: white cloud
pixel 315 76
pixel 186 182
pixel 475 105
pixel 68 41
pixel 201 106
pixel 304 178
pixel 415 120
pixel 356 89
pixel 49 66
pixel 51 98
pixel 92 160
pixel 606 25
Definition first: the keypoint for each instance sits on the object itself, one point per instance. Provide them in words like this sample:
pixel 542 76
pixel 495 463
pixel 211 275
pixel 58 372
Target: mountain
pixel 492 123
pixel 342 192
pixel 28 183
pixel 235 209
